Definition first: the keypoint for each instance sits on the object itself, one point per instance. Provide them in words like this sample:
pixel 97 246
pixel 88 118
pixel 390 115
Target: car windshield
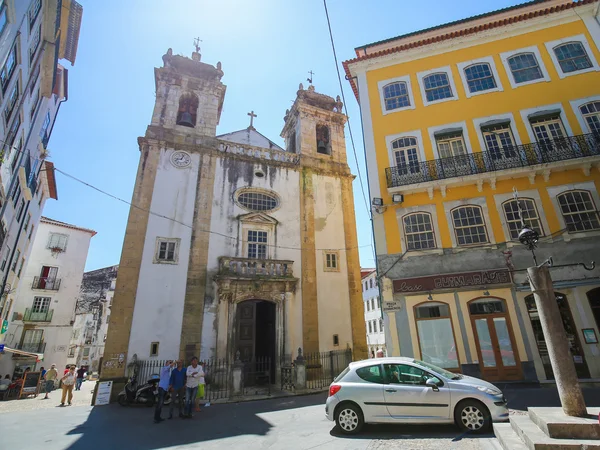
pixel 443 372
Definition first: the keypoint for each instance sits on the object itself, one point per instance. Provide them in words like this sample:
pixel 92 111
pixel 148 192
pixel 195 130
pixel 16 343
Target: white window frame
pixel 477 123
pixel 532 194
pixel 525 113
pixel 536 52
pixel 248 242
pixel 591 193
pixel 555 191
pixel 420 79
pixel 394 137
pixel 474 201
pixel 542 232
pixel 489 60
pixel 411 97
pixel 406 234
pixel 432 130
pixel 576 104
pixel 159 240
pixel 50 243
pixel 44 304
pixel 578 38
pixel 328 268
pixel 429 209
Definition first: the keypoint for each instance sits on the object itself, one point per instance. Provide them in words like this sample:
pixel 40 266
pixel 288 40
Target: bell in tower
pixel 188 107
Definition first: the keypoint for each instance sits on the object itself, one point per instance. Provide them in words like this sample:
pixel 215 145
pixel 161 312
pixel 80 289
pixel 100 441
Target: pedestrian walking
pixel 49 379
pixel 80 376
pixel 163 387
pixel 68 382
pixel 193 373
pixel 177 388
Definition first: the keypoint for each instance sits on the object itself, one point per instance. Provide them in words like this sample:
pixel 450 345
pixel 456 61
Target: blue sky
pixel 266 47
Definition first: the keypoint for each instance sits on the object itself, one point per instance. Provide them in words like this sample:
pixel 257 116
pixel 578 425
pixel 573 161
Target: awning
pixel 38 356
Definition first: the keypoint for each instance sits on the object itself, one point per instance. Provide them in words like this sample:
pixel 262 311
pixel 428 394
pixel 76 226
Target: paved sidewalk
pixel 80 398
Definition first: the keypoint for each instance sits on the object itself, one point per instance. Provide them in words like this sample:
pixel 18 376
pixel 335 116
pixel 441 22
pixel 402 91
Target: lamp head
pixel 529 238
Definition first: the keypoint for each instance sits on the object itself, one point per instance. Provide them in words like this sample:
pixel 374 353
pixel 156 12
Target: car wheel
pixel 349 418
pixel 471 415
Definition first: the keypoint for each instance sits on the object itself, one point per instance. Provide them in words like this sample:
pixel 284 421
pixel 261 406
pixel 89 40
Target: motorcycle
pixel 146 394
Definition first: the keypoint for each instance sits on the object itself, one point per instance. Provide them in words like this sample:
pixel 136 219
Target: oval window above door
pixel 487 306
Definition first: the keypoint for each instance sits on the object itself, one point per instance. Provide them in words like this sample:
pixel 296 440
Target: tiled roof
pixel 366 272
pixel 541 11
pixel 66 225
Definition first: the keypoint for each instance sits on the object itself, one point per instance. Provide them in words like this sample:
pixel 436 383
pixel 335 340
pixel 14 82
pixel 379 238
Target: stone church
pixel 234 244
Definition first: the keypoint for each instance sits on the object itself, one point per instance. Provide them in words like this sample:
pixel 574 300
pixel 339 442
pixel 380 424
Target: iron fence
pixel 323 367
pixel 257 377
pixel 545 151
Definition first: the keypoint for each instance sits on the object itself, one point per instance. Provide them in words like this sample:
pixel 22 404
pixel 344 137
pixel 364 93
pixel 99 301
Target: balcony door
pixel 551 138
pixel 32 340
pixel 48 277
pixel 501 149
pixel 454 160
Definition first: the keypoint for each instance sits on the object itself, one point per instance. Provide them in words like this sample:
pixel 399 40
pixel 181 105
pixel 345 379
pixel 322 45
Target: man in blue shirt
pixel 177 388
pixel 163 387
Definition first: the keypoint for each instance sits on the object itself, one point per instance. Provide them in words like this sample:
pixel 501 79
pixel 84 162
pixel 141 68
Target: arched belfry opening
pixel 323 140
pixel 188 110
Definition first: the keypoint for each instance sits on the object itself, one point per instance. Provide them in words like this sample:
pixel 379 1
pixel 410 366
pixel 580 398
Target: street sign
pixel 391 306
pixel 103 394
pixel 4 327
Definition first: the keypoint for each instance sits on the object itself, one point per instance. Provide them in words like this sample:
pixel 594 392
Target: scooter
pixel 146 394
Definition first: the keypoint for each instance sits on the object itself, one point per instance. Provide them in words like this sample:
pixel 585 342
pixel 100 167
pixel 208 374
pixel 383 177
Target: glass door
pixel 551 138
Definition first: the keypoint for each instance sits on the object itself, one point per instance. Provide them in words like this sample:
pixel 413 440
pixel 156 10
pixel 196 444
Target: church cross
pixel 311 77
pixel 252 116
pixel 197 44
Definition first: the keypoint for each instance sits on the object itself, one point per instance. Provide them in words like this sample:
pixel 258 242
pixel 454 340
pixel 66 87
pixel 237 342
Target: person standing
pixel 163 387
pixel 201 385
pixel 68 381
pixel 177 388
pixel 50 377
pixel 80 375
pixel 194 373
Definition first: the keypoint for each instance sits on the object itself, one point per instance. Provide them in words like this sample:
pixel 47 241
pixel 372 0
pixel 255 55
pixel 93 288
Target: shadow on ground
pixel 543 395
pixel 400 432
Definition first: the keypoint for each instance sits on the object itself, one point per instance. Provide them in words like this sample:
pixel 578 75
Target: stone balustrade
pixel 247 268
pixel 258 152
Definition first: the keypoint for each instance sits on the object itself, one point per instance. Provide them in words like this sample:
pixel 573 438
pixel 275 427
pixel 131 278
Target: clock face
pixel 181 159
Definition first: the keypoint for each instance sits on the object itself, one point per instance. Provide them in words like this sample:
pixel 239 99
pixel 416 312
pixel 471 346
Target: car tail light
pixel 334 389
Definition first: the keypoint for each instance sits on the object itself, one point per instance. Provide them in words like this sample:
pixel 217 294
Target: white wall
pixel 375 339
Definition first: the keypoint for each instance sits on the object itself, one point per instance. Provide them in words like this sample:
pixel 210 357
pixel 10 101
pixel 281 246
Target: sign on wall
pixel 391 306
pixel 483 278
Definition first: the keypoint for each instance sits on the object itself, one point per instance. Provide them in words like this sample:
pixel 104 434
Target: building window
pixel 166 250
pixel 336 340
pixel 323 140
pixel 480 77
pixel 57 241
pixel 524 67
pixel 591 115
pixel 40 305
pixel 20 210
pixel 11 103
pixel 18 146
pixel 72 351
pixel 16 260
pixel 257 244
pixel 371 282
pixel 34 12
pixel 86 352
pixel 499 142
pixel 572 57
pixel 332 261
pixel 32 340
pixel 188 109
pixel 45 126
pixel 367 306
pixel 154 349
pixel 372 304
pixel 380 324
pixel 26 223
pixel 548 129
pixel 451 145
pixel 375 326
pixel 437 86
pixel 3 16
pixel 436 337
pixel 291 144
pixel 258 201
pixel 406 155
pixel 9 68
pixel 30 232
pixel 370 327
pixel 528 213
pixel 418 230
pixel 486 306
pixel 579 211
pixel 5 259
pixel 35 43
pixel 396 96
pixel 21 267
pixel 469 226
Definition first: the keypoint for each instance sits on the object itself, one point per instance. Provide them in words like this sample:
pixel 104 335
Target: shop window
pixel 579 211
pixel 418 230
pixel 435 334
pixel 594 299
pixel 487 306
pixel 469 226
pixel 523 210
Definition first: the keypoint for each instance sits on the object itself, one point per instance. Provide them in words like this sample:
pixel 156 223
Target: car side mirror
pixel 432 383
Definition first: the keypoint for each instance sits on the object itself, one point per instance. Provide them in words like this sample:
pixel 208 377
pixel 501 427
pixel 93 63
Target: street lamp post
pixel 563 367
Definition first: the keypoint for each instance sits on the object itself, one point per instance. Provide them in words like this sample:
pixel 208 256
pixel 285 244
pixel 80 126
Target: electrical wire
pixel 337 68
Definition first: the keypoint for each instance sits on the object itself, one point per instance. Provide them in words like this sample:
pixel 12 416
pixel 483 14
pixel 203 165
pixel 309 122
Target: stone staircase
pixel 550 429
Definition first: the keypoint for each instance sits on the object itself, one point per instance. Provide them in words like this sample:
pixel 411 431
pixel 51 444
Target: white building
pixel 374 319
pixel 44 309
pixel 91 318
pixel 260 256
pixel 34 36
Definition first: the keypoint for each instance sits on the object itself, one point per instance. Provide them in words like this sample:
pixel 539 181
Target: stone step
pixel 557 425
pixel 535 439
pixel 508 439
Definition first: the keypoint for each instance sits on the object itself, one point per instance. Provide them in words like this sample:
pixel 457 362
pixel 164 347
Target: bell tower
pixel 189 95
pixel 314 127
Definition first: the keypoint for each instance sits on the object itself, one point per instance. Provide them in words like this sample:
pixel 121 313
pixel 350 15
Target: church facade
pixel 236 247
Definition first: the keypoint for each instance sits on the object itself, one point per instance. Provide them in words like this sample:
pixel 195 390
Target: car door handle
pixel 390 390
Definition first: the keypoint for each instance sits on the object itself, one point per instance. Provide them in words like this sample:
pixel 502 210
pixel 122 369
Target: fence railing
pixel 37 316
pixel 545 151
pixel 257 376
pixel 323 367
pixel 50 284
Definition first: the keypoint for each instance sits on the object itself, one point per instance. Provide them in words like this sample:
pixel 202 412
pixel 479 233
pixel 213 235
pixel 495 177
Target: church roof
pixel 249 136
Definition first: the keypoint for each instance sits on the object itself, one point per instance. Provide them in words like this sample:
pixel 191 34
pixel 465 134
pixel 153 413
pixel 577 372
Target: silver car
pixel 406 390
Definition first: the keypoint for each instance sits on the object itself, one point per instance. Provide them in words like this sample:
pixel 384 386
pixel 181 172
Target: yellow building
pixel 455 119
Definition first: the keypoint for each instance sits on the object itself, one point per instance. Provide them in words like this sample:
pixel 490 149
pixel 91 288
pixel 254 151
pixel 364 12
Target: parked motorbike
pixel 145 394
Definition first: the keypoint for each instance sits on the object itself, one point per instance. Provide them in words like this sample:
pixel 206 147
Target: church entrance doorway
pixel 256 334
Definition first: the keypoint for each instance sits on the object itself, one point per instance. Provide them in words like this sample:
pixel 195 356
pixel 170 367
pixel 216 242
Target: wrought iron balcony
pixel 31 316
pixel 30 347
pixel 547 151
pixel 249 268
pixel 49 284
